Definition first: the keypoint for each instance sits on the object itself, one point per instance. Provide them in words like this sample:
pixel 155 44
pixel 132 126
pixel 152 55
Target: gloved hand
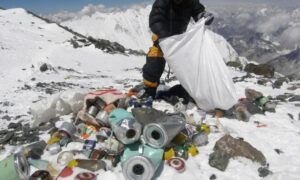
pixel 208 16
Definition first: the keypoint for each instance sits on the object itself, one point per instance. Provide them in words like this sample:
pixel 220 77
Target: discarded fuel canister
pixel 93 110
pixel 160 134
pixel 97 154
pixel 178 164
pixel 14 167
pixel 125 127
pixel 200 139
pixel 103 134
pixel 181 151
pixel 91 165
pixel 262 101
pixel 65 157
pixel 86 176
pixel 169 154
pixel 68 128
pixel 41 175
pixel 64 141
pixel 38 163
pixel 53 148
pixel 114 159
pixel 89 145
pixel 112 146
pixel 140 162
pixel 100 104
pixel 102 118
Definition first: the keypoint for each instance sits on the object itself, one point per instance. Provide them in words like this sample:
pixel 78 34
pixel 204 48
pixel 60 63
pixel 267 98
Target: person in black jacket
pixel 167 18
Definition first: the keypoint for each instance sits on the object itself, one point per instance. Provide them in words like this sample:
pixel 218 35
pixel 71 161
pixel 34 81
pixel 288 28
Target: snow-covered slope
pixel 26 42
pixel 128 27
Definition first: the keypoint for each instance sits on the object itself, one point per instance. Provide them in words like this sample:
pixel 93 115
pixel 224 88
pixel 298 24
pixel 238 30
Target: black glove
pixel 208 16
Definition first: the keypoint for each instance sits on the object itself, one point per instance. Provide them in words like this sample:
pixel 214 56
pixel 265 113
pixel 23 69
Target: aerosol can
pixel 124 125
pixel 140 162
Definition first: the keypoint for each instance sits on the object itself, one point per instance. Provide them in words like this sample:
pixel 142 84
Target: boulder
pixel 228 147
pixel 261 69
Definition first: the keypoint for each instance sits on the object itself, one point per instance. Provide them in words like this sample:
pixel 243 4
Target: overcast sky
pixel 53 6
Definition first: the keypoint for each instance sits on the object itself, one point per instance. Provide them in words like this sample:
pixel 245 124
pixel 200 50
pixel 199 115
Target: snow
pixel 131 29
pixel 25 44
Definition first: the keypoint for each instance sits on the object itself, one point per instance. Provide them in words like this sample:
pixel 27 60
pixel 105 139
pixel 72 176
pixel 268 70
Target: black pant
pixel 155 65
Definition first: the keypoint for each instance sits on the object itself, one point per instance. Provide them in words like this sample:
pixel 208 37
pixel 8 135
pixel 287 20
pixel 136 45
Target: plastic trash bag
pixel 199 67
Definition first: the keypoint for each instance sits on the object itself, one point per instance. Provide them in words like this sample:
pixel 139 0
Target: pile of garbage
pixel 114 129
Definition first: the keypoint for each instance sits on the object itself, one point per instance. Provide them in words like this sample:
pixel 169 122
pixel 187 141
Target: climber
pixel 167 18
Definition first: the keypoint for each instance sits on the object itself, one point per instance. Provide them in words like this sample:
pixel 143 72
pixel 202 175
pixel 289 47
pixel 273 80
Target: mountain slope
pixel 288 64
pixel 130 28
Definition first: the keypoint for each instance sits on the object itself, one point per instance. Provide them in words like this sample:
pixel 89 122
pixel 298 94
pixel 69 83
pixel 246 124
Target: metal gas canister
pixel 14 167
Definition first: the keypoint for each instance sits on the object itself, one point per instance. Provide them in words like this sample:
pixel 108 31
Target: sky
pixel 54 6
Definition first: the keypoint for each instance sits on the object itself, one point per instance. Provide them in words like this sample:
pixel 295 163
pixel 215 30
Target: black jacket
pixel 168 18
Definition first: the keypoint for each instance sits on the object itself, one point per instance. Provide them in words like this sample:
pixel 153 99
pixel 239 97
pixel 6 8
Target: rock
pixel 213 177
pixel 278 151
pixel 253 108
pixel 16 126
pixel 237 147
pixel 279 82
pixel 297 105
pixel 261 69
pixel 252 95
pixel 290 115
pixel 7 138
pixel 263 81
pixel 44 67
pixel 219 160
pixel 282 97
pixel 6 117
pixel 295 98
pixel 49 91
pixel 263 171
pixel 235 64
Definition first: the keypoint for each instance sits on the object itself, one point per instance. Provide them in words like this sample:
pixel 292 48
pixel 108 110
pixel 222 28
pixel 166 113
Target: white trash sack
pixel 199 67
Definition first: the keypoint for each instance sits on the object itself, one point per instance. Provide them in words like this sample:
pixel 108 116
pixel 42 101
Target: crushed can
pixel 125 127
pixel 91 165
pixel 53 148
pixel 68 128
pixel 14 167
pixel 112 146
pixel 200 139
pixel 140 162
pixel 97 154
pixel 177 163
pixel 89 145
pixel 41 175
pixel 102 118
pixel 86 176
pixel 103 134
pixel 160 134
pixel 93 110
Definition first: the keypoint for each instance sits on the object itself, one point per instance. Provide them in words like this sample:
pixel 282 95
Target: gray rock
pixel 44 67
pixel 7 138
pixel 219 160
pixel 252 94
pixel 290 115
pixel 295 98
pixel 279 82
pixel 16 126
pixel 264 171
pixel 235 64
pixel 238 148
pixel 253 108
pixel 282 97
pixel 6 117
pixel 261 69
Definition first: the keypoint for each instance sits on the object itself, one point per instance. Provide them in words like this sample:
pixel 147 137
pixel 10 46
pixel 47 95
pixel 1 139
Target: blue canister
pixel 140 162
pixel 125 127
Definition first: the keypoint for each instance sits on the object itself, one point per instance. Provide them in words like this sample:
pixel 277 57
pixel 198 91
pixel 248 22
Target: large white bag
pixel 199 67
